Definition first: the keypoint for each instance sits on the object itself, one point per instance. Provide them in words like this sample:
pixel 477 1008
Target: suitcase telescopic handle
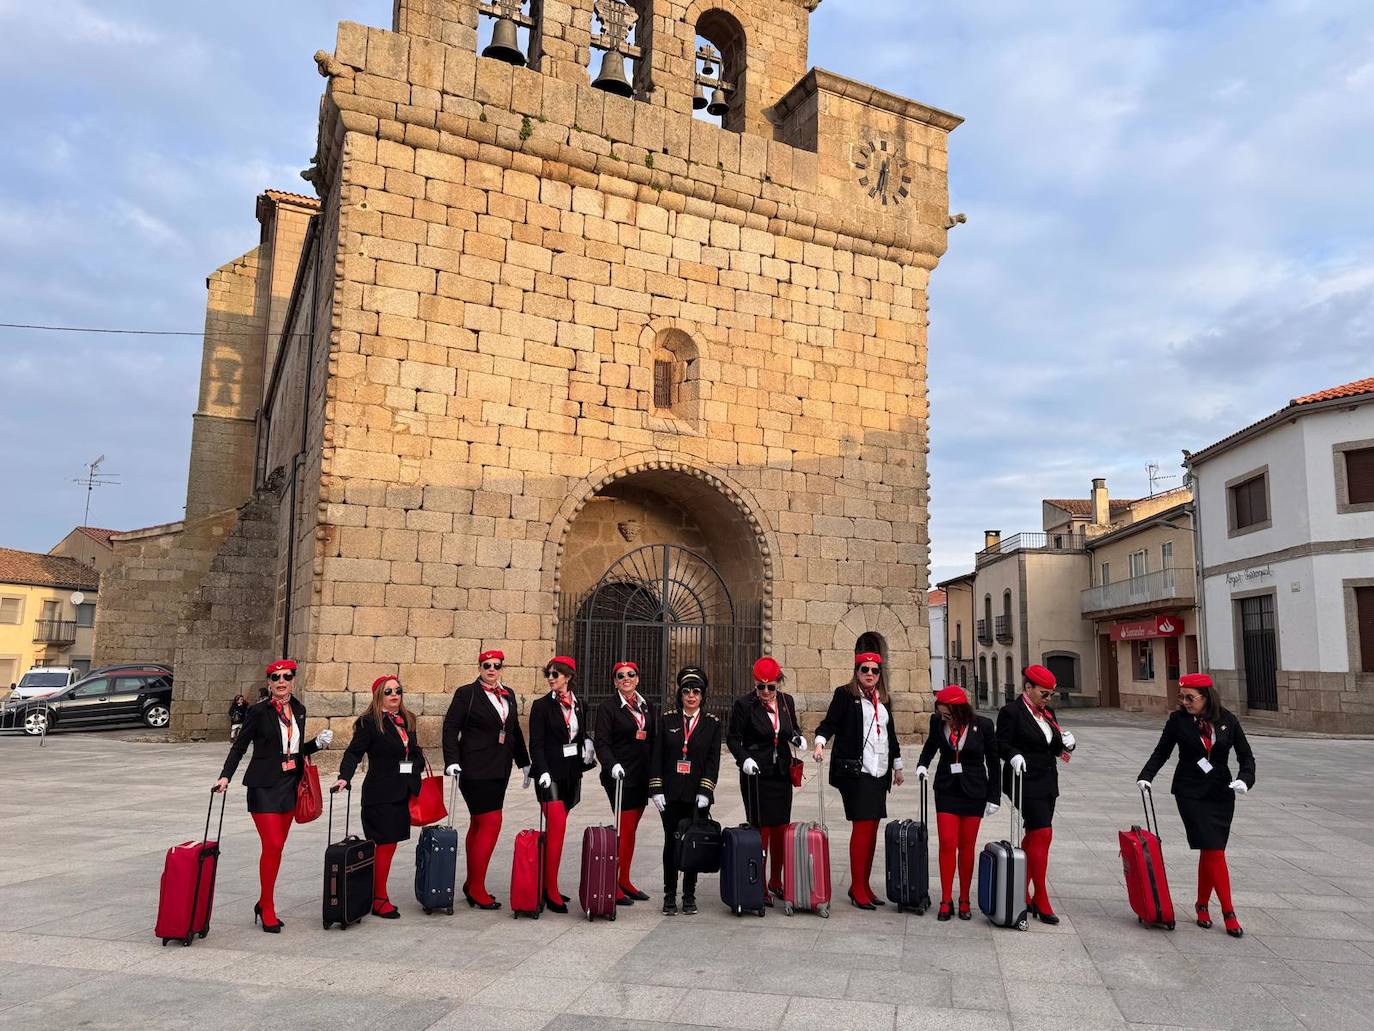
pixel 925 787
pixel 210 809
pixel 452 799
pixel 820 796
pixel 1018 791
pixel 1147 802
pixel 348 798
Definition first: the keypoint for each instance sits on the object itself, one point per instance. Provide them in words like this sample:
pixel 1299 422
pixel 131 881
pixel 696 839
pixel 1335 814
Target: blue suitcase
pixel 436 863
pixel 741 870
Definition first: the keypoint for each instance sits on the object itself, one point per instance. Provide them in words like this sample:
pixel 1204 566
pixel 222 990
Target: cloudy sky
pixel 1170 228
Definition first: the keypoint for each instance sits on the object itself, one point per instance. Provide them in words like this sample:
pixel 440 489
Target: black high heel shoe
pixel 474 904
pixel 1044 918
pixel 269 928
pixel 555 907
pixel 385 914
pixel 945 912
pixel 965 913
pixel 1204 918
pixel 860 905
pixel 1230 917
pixel 634 894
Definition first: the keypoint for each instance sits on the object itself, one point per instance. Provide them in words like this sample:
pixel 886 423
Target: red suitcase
pixel 1142 859
pixel 527 872
pixel 806 864
pixel 187 894
pixel 597 886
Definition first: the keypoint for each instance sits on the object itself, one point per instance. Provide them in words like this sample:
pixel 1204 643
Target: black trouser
pixel 673 814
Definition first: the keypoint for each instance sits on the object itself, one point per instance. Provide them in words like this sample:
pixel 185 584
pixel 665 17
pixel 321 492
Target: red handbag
pixel 428 806
pixel 798 767
pixel 309 800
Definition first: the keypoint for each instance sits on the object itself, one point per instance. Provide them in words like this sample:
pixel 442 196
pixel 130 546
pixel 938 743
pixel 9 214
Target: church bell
pixel 505 43
pixel 718 105
pixel 611 78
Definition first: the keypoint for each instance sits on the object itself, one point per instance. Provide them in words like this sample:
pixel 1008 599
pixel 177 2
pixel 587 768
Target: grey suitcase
pixel 1002 873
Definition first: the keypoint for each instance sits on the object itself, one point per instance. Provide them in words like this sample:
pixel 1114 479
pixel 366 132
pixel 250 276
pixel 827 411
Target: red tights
pixel 483 831
pixel 555 828
pixel 1036 845
pixel 863 840
pixel 381 869
pixel 773 840
pixel 272 829
pixel 1213 875
pixel 958 839
pixel 629 825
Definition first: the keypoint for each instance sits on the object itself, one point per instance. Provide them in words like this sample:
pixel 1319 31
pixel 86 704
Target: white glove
pixel 749 768
pixel 525 785
pixel 588 752
pixel 922 773
pixel 799 742
pixel 1018 763
pixel 989 808
pixel 545 780
pixel 660 803
pixel 1143 785
pixel 1238 786
pixel 1067 735
pixel 702 801
pixel 617 772
pixel 453 769
pixel 324 739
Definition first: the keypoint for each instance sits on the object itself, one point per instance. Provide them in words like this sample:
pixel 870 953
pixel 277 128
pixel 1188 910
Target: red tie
pixel 1204 727
pixel 281 714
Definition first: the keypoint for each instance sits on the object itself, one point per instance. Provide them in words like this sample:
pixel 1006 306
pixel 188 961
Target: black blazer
pixel 982 775
pixel 384 781
pixel 548 735
pixel 1180 730
pixel 1019 734
pixel 472 732
pixel 750 734
pixel 703 752
pixel 261 729
pixel 616 742
pixel 844 725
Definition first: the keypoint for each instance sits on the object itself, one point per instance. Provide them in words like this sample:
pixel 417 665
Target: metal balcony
pixel 55 631
pixel 984 632
pixel 1002 628
pixel 1174 586
pixel 1043 542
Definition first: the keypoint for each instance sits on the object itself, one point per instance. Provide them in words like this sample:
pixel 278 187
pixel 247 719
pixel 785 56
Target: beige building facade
pixel 565 371
pixel 47 613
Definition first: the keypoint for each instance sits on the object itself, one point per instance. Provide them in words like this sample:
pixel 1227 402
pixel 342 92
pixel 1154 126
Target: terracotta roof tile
pixel 27 567
pixel 1084 506
pixel 1359 386
pixel 100 536
pixel 292 198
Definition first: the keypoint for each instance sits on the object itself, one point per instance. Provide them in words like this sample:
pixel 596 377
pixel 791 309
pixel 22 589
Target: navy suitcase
pixel 906 849
pixel 741 870
pixel 436 863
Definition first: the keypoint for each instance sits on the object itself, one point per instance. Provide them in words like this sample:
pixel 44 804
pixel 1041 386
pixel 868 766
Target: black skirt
pixel 483 796
pixel 1037 813
pixel 568 791
pixel 865 797
pixel 635 794
pixel 773 805
pixel 956 803
pixel 280 797
pixel 386 823
pixel 1207 821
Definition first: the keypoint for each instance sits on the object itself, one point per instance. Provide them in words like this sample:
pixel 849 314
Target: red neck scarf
pixel 400 723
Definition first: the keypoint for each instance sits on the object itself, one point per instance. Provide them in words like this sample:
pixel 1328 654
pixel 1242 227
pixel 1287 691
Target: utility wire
pixel 138 332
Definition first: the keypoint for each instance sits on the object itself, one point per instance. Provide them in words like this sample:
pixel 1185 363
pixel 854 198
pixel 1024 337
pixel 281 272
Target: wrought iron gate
pixel 663 607
pixel 1259 648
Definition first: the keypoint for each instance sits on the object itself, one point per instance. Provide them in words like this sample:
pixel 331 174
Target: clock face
pixel 882 175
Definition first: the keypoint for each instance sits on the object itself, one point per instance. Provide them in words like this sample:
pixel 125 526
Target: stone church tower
pixel 568 368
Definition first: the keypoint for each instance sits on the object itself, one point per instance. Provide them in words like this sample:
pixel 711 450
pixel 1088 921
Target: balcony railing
pixel 55 631
pixel 1171 585
pixel 984 632
pixel 1069 542
pixel 956 650
pixel 1002 628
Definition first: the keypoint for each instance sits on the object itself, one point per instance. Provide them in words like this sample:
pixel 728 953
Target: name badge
pixel 641 735
pixel 288 765
pixel 685 766
pixel 407 767
pixel 569 750
pixel 501 738
pixel 956 767
pixel 1204 765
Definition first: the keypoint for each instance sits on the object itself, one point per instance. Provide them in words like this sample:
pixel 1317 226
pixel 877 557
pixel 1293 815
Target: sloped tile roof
pixel 292 198
pixel 100 536
pixel 1084 506
pixel 1355 388
pixel 1359 386
pixel 28 567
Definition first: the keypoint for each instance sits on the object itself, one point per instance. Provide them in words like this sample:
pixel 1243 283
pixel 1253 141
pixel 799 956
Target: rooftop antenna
pixel 1152 471
pixel 95 478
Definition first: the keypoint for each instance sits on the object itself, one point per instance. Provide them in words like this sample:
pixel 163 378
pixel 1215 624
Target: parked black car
pixel 127 696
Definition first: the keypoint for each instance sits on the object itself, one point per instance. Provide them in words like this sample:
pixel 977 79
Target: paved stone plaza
pixel 84 822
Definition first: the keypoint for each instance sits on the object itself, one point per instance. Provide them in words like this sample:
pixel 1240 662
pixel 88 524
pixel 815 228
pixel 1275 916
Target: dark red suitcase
pixel 527 872
pixel 596 887
pixel 187 894
pixel 1142 860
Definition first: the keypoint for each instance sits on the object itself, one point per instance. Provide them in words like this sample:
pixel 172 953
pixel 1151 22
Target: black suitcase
pixel 347 874
pixel 699 844
pixel 741 869
pixel 436 863
pixel 906 849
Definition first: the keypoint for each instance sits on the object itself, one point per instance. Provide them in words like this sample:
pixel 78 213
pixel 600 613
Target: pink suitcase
pixel 806 864
pixel 187 894
pixel 600 865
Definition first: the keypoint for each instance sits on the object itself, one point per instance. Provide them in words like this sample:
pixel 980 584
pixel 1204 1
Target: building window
pixel 11 611
pixel 1247 502
pixel 959 640
pixel 1354 472
pixel 719 67
pixel 1106 573
pixel 1143 654
pixel 674 389
pixel 82 666
pixel 1138 563
pixel 9 670
pixel 1364 626
pixel 663 384
pixel 1166 562
pixel 1011 673
pixel 85 614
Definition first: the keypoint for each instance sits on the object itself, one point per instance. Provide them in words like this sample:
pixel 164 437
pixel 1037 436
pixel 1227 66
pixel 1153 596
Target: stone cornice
pixel 818 80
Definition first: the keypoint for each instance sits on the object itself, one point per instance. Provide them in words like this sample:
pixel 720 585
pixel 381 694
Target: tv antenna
pixel 1152 471
pixel 95 478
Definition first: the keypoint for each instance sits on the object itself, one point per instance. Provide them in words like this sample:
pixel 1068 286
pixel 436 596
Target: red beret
pixel 492 653
pixel 377 684
pixel 868 657
pixel 1039 676
pixel 281 664
pixel 566 661
pixel 1199 681
pixel 624 665
pixel 767 670
pixel 951 695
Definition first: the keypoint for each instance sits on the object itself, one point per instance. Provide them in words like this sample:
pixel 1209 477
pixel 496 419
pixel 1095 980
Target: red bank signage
pixel 1140 630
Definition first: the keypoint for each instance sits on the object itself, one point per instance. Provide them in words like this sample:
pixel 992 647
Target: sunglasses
pixel 389 691
pixel 491 665
pixel 1188 697
pixel 870 669
pixel 691 690
pixel 626 674
pixel 765 687
pixel 552 674
pixel 281 676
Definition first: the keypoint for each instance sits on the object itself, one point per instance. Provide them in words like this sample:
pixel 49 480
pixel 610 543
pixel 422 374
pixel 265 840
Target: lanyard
pixel 689 727
pixel 400 725
pixel 567 712
pixel 288 722
pixel 499 695
pixel 877 728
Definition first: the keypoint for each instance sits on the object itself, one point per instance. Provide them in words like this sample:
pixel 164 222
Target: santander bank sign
pixel 1143 629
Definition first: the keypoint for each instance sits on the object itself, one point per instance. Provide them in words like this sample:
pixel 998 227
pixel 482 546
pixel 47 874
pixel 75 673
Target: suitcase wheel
pixel 759 913
pixel 738 912
pixel 427 910
pixel 327 924
pixel 787 908
pixel 1169 926
pixel 185 942
pixel 204 933
pixel 612 916
pixel 824 911
pixel 165 941
pixel 1023 924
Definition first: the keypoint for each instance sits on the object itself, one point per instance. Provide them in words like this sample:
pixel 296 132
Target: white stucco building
pixel 1285 510
pixel 938 622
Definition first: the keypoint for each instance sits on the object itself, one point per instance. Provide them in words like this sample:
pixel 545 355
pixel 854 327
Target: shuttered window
pixel 11 611
pixel 1250 504
pixel 663 384
pixel 1364 623
pixel 1359 476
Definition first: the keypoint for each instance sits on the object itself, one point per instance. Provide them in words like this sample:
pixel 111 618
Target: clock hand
pixel 882 176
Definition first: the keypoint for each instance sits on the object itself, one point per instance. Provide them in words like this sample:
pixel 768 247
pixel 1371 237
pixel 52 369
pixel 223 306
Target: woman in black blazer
pixel 1032 743
pixel 624 736
pixel 275 727
pixel 386 735
pixel 762 733
pixel 865 763
pixel 968 788
pixel 559 752
pixel 682 777
pixel 1205 733
pixel 482 741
